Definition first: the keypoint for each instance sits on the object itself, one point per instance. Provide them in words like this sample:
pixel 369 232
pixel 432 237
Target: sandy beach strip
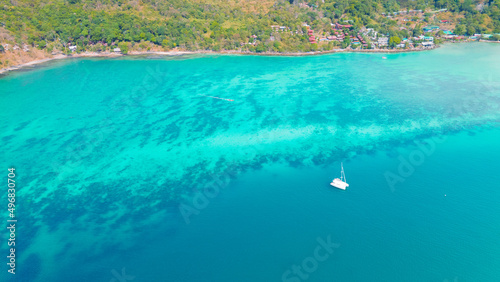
pixel 180 53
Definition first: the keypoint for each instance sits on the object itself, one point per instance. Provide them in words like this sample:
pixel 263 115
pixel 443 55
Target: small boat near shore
pixel 341 182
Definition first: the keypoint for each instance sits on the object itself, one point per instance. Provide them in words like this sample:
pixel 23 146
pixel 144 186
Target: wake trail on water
pixel 230 100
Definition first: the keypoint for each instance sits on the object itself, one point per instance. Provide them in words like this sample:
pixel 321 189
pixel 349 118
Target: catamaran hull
pixel 339 184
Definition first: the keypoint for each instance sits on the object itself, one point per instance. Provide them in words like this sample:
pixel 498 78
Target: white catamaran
pixel 340 182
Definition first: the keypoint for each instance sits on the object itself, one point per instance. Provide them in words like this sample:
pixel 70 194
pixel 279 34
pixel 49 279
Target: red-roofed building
pixel 340 26
pixel 312 39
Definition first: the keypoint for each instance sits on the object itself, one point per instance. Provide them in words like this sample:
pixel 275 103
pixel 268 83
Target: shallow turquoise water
pixel 108 151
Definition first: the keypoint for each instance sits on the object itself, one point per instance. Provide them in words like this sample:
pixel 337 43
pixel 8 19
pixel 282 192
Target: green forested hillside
pixel 96 25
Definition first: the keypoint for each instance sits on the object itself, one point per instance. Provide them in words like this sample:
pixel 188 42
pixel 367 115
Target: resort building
pixel 312 39
pixel 430 28
pixel 341 26
pixel 383 41
pixel 278 28
pixel 428 44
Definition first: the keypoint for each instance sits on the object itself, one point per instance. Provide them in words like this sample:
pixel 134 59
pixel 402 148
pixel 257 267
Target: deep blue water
pixel 127 170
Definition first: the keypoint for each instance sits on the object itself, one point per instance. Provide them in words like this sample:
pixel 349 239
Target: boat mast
pixel 342 174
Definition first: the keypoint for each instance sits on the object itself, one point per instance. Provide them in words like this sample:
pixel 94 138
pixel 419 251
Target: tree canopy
pixel 216 25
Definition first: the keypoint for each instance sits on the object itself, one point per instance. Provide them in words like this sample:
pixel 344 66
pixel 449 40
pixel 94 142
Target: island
pixel 37 31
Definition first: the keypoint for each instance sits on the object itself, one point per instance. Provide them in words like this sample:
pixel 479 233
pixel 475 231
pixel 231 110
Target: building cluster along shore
pixel 179 53
pixel 33 63
pixel 367 40
pixel 411 30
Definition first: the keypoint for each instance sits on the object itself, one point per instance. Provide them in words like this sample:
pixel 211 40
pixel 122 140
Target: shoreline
pixel 5 71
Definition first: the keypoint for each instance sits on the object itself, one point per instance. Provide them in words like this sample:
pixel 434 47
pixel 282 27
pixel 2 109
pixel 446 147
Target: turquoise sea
pixel 128 169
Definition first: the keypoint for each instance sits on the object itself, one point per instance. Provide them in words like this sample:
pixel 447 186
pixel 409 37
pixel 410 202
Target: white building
pixel 383 41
